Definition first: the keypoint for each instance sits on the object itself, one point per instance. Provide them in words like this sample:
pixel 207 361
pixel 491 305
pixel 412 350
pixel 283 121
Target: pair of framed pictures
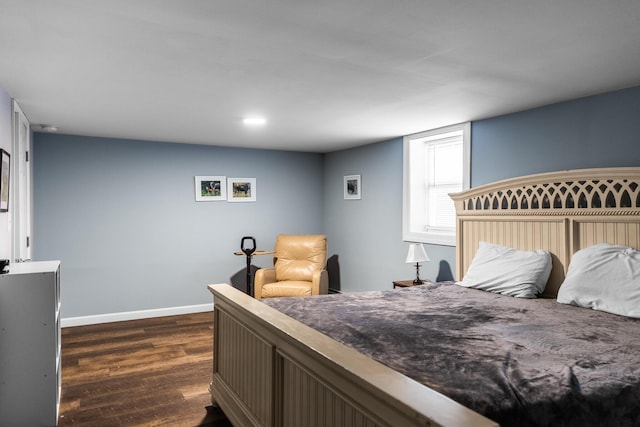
pixel 221 188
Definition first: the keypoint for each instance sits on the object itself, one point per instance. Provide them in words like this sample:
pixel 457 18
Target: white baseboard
pixel 134 315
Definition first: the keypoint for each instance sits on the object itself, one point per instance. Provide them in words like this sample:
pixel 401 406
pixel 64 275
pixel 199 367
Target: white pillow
pixel 604 277
pixel 508 271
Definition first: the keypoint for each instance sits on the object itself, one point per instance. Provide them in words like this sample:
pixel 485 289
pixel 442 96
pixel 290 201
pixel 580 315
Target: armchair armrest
pixel 320 282
pixel 262 277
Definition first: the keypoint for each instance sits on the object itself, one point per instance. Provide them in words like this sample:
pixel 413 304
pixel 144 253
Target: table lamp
pixel 416 255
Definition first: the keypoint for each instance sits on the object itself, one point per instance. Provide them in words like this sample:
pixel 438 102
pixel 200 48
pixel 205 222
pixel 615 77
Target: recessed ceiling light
pixel 254 121
pixel 48 128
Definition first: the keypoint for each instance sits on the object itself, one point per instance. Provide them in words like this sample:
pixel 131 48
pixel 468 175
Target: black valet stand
pixel 249 252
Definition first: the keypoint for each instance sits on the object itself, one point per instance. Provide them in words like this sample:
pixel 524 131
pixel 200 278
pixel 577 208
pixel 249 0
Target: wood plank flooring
pixel 149 372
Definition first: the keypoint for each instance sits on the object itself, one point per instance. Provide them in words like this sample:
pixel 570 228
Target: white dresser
pixel 30 357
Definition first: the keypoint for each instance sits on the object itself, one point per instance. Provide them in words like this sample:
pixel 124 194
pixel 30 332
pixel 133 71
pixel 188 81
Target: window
pixel 436 163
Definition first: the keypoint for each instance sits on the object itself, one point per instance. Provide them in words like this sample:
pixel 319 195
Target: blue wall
pixel 122 217
pixel 367 233
pixel 598 131
pixel 121 214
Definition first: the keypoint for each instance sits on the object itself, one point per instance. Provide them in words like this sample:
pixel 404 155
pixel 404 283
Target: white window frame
pixel 414 222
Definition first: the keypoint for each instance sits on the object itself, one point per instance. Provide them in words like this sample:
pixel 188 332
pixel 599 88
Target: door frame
pixel 21 214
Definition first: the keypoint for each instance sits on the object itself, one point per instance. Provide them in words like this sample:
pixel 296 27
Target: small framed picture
pixel 352 187
pixel 241 189
pixel 210 188
pixel 5 164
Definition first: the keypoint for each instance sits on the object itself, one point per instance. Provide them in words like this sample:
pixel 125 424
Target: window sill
pixel 430 238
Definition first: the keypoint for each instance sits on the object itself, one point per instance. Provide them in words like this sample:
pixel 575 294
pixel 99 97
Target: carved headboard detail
pixel 561 212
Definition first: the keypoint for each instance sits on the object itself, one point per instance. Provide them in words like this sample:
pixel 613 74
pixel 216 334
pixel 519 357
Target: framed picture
pixel 352 187
pixel 210 188
pixel 5 164
pixel 241 189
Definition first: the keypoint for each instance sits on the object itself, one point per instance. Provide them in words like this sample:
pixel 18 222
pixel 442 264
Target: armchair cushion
pixel 298 256
pixel 289 288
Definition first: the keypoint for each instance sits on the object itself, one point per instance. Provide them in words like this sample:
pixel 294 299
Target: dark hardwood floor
pixel 150 372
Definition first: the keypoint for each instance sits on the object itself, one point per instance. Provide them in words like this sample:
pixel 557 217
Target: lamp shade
pixel 416 253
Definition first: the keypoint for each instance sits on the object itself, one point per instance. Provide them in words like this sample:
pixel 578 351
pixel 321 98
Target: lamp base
pixel 417 280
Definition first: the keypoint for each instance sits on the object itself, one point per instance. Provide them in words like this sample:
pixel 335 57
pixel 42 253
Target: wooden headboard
pixel 561 212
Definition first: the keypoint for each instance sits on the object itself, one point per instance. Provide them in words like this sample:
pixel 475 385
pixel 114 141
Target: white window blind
pixel 443 176
pixel 436 163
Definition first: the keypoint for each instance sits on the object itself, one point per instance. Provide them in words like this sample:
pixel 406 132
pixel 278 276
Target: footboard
pixel 271 370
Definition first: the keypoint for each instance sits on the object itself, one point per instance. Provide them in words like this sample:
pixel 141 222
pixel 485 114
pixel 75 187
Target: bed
pixel 273 370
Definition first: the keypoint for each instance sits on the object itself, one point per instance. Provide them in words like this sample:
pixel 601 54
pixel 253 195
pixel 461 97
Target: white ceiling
pixel 327 74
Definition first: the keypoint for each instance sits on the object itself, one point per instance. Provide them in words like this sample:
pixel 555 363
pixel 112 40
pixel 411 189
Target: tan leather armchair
pixel 299 268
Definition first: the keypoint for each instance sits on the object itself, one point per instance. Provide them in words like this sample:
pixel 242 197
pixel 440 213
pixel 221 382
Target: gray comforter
pixel 519 362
